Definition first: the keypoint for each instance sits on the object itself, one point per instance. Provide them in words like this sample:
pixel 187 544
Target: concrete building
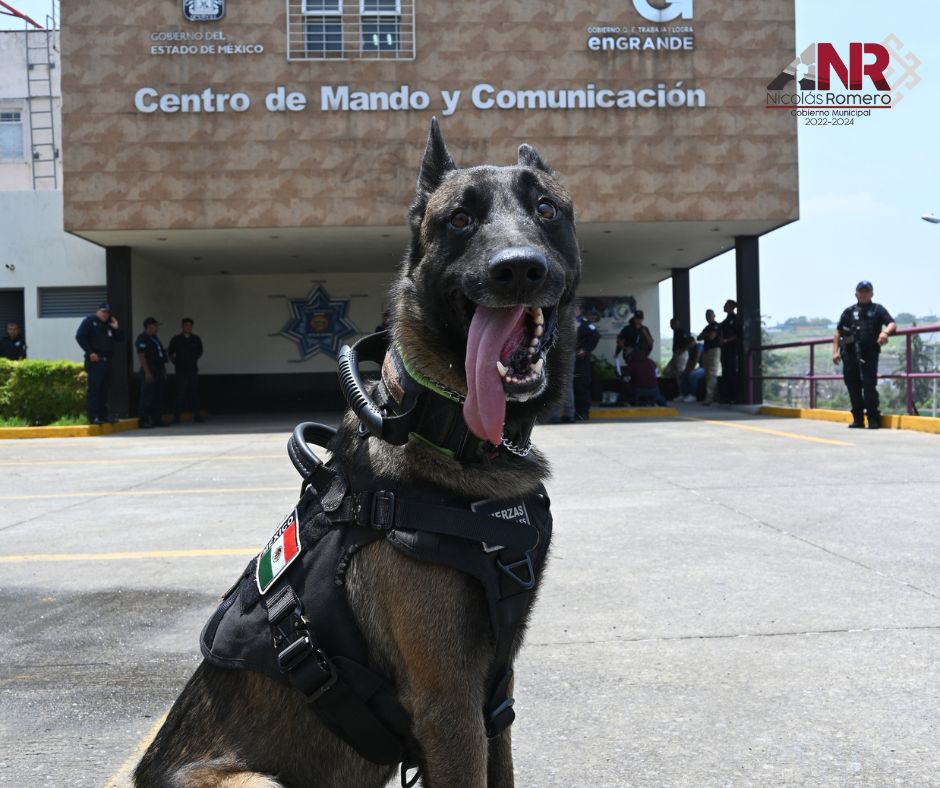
pixel 250 164
pixel 49 279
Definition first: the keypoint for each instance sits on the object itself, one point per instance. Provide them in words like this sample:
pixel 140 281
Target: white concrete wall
pixel 156 291
pixel 17 174
pixel 239 317
pixel 43 255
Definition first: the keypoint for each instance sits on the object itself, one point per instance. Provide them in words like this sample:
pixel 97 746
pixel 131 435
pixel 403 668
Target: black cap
pixel 106 306
pixel 151 321
pixel 638 313
pixel 864 285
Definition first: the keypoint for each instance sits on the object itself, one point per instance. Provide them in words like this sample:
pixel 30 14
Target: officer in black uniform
pixel 588 337
pixel 13 345
pixel 185 350
pixel 152 358
pixel 96 335
pixel 863 328
pixel 730 344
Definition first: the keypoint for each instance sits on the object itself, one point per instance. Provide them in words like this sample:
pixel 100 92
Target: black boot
pixel 858 421
pixel 874 421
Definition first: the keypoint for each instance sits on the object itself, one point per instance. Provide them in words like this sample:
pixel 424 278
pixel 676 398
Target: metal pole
pixel 812 376
pixel 933 398
pixel 910 380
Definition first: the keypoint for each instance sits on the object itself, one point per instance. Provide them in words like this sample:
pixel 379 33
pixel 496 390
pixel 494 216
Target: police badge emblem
pixel 203 10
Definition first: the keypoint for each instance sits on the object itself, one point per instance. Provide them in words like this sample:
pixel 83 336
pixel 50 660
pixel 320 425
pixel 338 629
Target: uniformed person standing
pixel 730 352
pixel 588 337
pixel 711 336
pixel 152 358
pixel 96 335
pixel 185 350
pixel 12 345
pixel 862 330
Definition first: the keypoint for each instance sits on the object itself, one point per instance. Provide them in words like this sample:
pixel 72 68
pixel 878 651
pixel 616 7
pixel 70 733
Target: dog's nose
pixel 519 267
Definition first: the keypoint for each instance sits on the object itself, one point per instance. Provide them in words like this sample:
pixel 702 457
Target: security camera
pixel 10 267
pixel 929 217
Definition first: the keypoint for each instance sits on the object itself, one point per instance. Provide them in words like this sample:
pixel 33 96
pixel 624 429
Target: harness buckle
pixel 509 570
pixel 382 516
pixel 500 718
pixel 295 653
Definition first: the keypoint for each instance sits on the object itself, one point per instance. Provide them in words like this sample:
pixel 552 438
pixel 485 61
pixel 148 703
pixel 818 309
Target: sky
pixel 863 188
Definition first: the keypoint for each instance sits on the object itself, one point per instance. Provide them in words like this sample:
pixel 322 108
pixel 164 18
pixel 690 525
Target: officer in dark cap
pixel 97 335
pixel 152 358
pixel 863 328
pixel 588 337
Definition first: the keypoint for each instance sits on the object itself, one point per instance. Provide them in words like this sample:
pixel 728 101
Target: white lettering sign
pixel 484 96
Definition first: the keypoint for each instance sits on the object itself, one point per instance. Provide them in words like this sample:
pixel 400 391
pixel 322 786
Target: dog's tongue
pixel 485 407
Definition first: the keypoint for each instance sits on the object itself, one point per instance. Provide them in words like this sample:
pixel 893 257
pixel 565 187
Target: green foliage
pixel 602 369
pixel 6 372
pixel 41 391
pixel 13 421
pixel 804 322
pixel 70 421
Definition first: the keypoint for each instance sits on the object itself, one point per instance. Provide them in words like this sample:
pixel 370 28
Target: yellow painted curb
pixel 632 413
pixel 893 422
pixel 77 431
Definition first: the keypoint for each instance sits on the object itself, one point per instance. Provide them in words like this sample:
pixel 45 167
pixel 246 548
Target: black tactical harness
pixel 301 632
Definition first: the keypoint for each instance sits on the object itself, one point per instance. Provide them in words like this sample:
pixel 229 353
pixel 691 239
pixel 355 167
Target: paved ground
pixel 741 601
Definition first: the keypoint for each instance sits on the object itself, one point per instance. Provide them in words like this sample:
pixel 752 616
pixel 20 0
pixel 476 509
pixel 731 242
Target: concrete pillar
pixel 680 297
pixel 118 268
pixel 747 270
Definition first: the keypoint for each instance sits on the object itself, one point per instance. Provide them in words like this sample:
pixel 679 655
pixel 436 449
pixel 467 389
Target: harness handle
pixel 351 382
pixel 301 455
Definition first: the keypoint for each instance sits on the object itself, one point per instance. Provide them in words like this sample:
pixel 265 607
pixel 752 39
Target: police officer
pixel 185 350
pixel 13 346
pixel 711 336
pixel 635 336
pixel 152 358
pixel 863 328
pixel 730 344
pixel 96 335
pixel 588 337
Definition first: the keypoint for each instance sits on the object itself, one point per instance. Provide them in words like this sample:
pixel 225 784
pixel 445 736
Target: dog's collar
pixel 409 404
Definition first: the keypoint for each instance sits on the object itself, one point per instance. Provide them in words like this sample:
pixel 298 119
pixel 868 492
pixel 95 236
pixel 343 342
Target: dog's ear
pixel 436 162
pixel 529 157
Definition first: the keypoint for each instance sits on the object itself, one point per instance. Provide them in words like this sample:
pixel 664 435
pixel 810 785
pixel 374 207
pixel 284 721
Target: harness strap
pixel 384 511
pixel 315 676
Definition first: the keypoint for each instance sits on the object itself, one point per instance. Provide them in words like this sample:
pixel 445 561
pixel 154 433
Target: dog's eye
pixel 547 209
pixel 460 220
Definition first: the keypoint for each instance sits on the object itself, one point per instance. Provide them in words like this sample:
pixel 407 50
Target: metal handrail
pixel 909 375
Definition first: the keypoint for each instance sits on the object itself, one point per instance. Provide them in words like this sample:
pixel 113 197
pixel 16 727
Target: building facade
pixel 49 279
pixel 250 164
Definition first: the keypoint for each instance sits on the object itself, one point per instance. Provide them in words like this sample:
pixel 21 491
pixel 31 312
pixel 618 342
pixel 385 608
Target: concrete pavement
pixel 731 599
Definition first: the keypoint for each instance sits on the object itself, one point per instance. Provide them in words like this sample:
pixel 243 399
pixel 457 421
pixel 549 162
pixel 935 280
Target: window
pixel 70 301
pixel 323 28
pixel 323 7
pixel 372 29
pixel 380 7
pixel 11 134
pixel 324 36
pixel 380 34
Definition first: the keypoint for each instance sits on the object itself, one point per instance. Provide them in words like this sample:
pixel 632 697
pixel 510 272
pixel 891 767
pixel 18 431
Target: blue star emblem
pixel 318 324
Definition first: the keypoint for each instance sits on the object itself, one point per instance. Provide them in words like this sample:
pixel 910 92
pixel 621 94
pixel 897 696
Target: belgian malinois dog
pixel 493 261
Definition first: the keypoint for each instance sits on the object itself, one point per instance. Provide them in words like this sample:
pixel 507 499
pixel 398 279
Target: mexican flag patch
pixel 282 548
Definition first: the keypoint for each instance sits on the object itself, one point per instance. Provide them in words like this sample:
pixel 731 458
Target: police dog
pixel 490 246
